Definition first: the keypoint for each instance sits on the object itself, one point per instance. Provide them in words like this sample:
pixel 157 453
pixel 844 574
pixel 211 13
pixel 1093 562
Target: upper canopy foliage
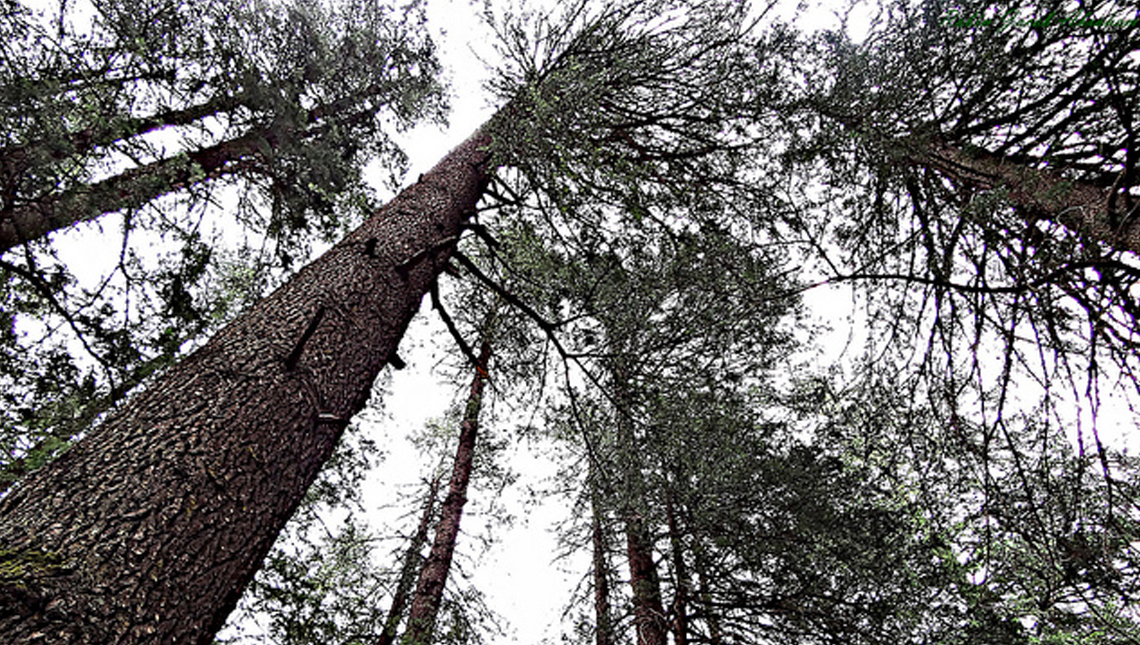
pixel 228 136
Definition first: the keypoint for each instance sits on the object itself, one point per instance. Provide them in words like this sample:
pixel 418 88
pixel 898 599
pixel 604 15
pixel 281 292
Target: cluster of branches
pixel 225 139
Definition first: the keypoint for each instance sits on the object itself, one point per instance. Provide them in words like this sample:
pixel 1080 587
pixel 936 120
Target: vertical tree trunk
pixel 148 530
pixel 603 632
pixel 433 577
pixel 680 572
pixel 648 609
pixel 408 571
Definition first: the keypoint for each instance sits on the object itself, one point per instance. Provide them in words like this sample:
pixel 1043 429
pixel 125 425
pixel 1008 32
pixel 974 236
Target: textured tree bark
pixel 16 159
pixel 1084 208
pixel 433 577
pixel 409 570
pixel 710 616
pixel 148 530
pixel 129 189
pixel 648 610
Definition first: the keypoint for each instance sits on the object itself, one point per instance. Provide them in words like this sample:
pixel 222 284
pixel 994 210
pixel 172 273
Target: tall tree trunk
pixel 408 572
pixel 134 187
pixel 680 572
pixel 1107 215
pixel 604 630
pixel 138 186
pixel 149 529
pixel 1085 208
pixel 17 159
pixel 648 609
pixel 433 577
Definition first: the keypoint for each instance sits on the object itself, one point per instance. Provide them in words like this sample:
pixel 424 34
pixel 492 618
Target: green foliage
pixel 145 92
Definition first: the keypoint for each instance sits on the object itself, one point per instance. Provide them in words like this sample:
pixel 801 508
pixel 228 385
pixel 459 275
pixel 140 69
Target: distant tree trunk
pixel 648 610
pixel 680 572
pixel 17 159
pixel 1105 214
pixel 148 530
pixel 138 186
pixel 408 572
pixel 433 577
pixel 603 633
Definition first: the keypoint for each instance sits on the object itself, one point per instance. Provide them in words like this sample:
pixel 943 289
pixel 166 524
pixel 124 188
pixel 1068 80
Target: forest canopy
pixel 627 263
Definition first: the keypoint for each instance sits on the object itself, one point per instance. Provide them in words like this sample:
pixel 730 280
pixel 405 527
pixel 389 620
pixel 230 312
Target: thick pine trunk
pixel 408 572
pixel 148 530
pixel 1081 207
pixel 433 577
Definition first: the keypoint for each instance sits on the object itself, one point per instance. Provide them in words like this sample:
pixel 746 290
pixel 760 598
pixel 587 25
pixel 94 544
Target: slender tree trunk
pixel 433 577
pixel 408 572
pixel 148 530
pixel 138 186
pixel 648 610
pixel 680 572
pixel 603 633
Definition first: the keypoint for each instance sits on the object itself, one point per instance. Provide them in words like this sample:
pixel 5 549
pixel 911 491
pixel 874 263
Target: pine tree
pixel 163 111
pixel 207 464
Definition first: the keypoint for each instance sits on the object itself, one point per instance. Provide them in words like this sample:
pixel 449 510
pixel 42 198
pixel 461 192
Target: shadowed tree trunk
pixel 1084 208
pixel 706 610
pixel 408 572
pixel 149 529
pixel 138 186
pixel 1106 214
pixel 433 577
pixel 648 609
pixel 604 630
